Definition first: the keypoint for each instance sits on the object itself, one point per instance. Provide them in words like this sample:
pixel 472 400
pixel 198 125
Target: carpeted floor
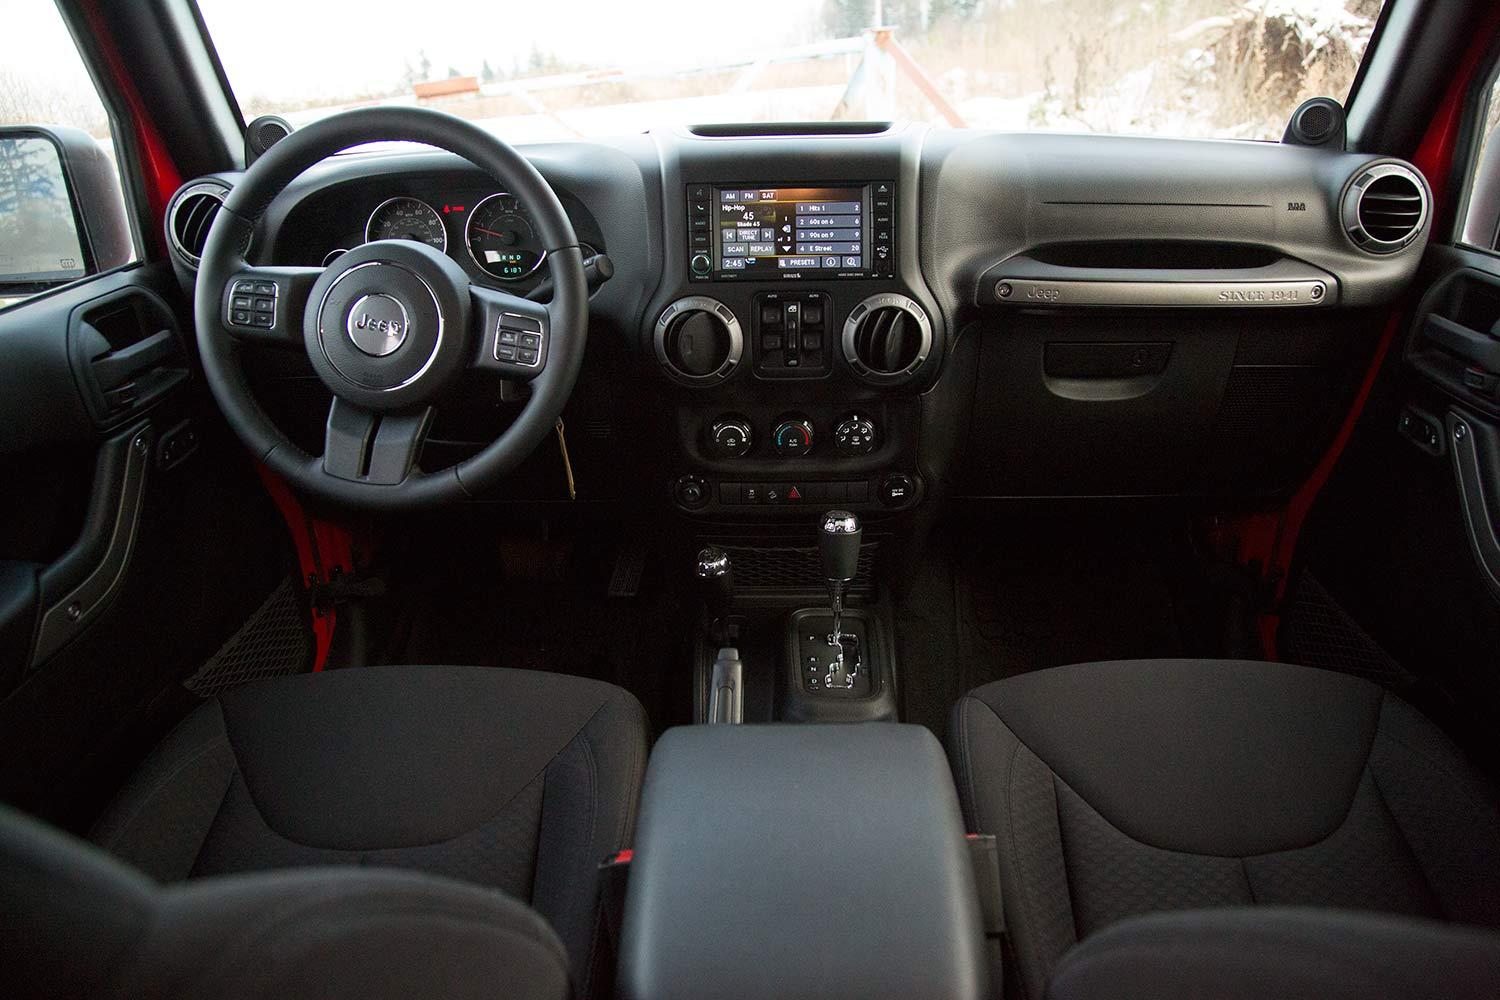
pixel 545 605
pixel 1045 590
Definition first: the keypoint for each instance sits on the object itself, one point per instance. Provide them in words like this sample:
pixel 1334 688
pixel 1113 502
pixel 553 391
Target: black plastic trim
pixel 81 584
pixel 1475 447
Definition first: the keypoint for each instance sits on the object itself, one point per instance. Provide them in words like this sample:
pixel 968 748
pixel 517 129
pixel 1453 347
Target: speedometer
pixel 502 240
pixel 407 219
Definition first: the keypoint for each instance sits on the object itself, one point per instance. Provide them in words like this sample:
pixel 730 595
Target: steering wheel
pixel 388 326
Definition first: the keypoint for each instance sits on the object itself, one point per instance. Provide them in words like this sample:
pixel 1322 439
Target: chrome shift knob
pixel 716 574
pixel 838 545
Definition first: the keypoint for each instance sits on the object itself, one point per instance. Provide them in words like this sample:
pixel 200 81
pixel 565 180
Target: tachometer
pixel 502 240
pixel 407 219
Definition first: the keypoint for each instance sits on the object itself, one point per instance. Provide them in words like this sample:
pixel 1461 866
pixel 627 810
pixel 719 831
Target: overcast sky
pixel 43 49
pixel 320 47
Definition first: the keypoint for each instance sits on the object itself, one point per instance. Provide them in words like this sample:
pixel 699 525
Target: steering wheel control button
pixel 519 340
pixel 378 324
pixel 897 490
pixel 793 437
pixel 252 304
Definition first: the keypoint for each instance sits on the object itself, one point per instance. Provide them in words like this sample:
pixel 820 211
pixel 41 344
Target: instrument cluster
pixel 494 234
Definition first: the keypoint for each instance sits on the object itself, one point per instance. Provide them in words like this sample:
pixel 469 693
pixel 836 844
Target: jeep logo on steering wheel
pixel 378 324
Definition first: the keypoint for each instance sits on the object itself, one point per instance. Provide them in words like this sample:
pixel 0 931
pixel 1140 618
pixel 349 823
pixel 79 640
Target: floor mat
pixel 1317 632
pixel 1043 591
pixel 547 606
pixel 273 642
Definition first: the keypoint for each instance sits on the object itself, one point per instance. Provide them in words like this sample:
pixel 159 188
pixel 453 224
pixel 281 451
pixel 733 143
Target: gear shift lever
pixel 726 685
pixel 716 574
pixel 716 585
pixel 838 546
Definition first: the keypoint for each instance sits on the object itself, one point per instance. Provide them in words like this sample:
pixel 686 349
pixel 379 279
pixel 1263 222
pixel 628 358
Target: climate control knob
pixel 730 437
pixel 855 435
pixel 793 437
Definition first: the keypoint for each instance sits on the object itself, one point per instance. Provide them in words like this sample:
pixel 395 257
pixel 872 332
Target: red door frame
pixel 1266 542
pixel 324 549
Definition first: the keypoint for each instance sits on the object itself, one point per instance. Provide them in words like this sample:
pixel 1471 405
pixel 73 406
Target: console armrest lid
pixel 801 860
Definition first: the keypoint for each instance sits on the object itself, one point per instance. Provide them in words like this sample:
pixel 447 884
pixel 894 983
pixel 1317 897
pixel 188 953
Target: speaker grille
pixel 1316 122
pixel 263 133
pixel 268 134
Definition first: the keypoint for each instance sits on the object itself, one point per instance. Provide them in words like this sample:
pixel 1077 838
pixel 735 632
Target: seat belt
pixel 984 855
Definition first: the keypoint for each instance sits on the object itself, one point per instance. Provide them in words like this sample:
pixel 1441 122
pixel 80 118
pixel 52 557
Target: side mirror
pixel 62 215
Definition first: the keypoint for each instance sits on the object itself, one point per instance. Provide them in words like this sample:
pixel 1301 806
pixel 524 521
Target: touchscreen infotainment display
pixel 771 232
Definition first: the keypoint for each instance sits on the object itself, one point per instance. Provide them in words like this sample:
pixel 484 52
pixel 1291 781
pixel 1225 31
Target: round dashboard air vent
pixel 189 219
pixel 886 338
pixel 698 341
pixel 1385 208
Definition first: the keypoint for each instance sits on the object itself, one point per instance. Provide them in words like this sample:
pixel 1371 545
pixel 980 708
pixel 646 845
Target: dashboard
pixel 879 316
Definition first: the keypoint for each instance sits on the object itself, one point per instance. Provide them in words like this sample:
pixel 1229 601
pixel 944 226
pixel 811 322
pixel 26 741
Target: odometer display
pixel 502 240
pixel 407 219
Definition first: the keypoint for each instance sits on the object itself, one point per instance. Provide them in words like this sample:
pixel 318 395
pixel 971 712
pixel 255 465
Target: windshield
pixel 564 69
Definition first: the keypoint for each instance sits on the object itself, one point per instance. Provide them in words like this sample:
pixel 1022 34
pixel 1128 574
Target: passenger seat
pixel 1125 788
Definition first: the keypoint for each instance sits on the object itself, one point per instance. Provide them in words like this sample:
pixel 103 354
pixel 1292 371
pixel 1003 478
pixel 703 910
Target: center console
pixel 793 331
pixel 792 338
pixel 801 861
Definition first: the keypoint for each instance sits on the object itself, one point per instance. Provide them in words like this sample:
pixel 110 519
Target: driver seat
pixel 512 780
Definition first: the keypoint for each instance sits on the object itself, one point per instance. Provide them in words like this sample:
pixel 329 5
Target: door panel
pixel 1406 536
pixel 134 536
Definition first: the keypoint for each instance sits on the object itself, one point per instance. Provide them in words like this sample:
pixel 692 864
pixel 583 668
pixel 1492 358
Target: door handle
pixel 1472 345
pixel 1475 447
pixel 118 367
